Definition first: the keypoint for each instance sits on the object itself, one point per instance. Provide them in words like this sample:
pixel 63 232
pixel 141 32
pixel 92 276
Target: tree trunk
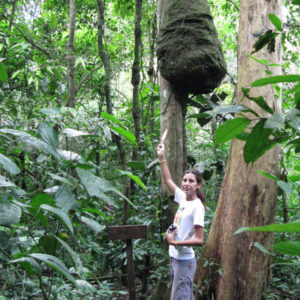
pixel 108 74
pixel 231 267
pixel 172 112
pixel 70 57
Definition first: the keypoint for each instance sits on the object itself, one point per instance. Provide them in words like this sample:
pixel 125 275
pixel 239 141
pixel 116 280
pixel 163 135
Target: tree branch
pixel 25 37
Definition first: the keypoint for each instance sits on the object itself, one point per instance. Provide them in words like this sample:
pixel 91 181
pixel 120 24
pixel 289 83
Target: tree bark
pixel 231 267
pixel 70 56
pixel 108 74
pixel 172 117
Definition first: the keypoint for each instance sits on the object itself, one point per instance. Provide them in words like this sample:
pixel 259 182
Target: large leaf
pixel 9 214
pixel 230 129
pixel 29 264
pixel 92 224
pixel 60 213
pixel 65 199
pixel 134 178
pixel 48 134
pixel 111 118
pixel 288 247
pixel 54 263
pixel 275 79
pixel 32 141
pixel 74 255
pixel 5 182
pixel 275 21
pixel 125 133
pixel 97 186
pixel 258 142
pixel 9 165
pixel 287 227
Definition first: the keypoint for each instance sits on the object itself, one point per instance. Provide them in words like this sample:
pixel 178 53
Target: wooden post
pixel 128 233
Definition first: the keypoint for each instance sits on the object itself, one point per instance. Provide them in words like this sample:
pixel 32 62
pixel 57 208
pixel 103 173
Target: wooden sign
pixel 128 232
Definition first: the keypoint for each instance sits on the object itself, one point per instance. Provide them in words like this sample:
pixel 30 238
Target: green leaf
pixel 258 142
pixel 260 61
pixel 294 178
pixel 48 134
pixel 9 165
pixel 268 175
pixel 5 182
pixel 9 214
pixel 275 21
pixel 32 141
pixel 61 179
pixel 60 213
pixel 111 118
pixel 134 178
pixel 264 40
pixel 98 212
pixel 230 129
pixel 262 248
pixel 3 73
pixel 41 198
pixel 275 79
pixel 74 255
pixel 54 263
pixel 288 247
pixel 92 224
pixel 65 199
pixel 29 265
pixel 285 187
pixel 125 133
pixel 97 186
pixel 287 227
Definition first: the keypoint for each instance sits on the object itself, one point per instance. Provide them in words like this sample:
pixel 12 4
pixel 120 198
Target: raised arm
pixel 164 168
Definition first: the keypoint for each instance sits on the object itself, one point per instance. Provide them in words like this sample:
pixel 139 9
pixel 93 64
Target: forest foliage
pixel 61 175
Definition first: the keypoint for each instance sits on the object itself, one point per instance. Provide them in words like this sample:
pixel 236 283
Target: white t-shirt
pixel 189 214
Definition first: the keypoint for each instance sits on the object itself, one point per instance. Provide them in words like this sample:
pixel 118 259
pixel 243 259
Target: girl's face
pixel 190 186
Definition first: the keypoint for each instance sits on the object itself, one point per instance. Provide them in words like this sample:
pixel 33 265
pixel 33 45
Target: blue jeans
pixel 182 275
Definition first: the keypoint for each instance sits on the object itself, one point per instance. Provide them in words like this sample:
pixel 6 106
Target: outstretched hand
pixel 160 151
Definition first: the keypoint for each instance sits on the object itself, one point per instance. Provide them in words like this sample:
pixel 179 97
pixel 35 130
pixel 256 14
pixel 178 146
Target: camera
pixel 172 228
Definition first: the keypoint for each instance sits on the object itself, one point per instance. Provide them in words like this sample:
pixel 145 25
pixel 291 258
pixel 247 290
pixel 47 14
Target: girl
pixel 189 221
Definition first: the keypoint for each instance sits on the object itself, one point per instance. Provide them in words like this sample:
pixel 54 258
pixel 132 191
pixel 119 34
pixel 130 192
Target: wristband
pixel 175 243
pixel 162 161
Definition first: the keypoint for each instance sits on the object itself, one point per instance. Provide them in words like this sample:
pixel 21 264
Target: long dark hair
pixel 198 176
